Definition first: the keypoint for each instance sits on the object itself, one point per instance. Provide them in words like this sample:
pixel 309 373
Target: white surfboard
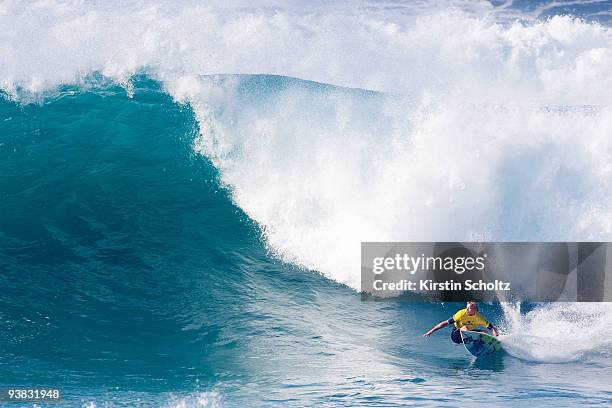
pixel 480 344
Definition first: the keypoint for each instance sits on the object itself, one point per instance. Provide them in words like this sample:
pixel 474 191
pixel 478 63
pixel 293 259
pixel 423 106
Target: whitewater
pixel 189 183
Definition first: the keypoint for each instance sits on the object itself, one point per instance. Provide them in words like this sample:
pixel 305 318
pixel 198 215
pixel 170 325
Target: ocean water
pixel 184 188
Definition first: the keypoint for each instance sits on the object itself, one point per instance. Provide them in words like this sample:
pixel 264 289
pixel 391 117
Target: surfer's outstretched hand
pixel 427 334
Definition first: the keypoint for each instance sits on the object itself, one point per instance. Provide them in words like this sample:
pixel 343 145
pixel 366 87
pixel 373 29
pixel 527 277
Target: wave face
pixel 167 173
pixel 480 129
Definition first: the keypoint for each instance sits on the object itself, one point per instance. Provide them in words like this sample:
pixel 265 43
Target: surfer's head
pixel 472 307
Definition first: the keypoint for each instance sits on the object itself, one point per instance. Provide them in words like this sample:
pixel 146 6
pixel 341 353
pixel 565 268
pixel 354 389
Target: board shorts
pixel 456 336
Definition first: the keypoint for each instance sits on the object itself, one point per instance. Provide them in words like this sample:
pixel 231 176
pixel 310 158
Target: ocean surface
pixel 184 188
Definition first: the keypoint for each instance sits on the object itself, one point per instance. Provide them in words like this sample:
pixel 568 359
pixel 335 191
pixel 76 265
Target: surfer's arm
pixel 493 329
pixel 437 327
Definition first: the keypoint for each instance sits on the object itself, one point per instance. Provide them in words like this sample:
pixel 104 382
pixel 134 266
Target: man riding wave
pixel 465 319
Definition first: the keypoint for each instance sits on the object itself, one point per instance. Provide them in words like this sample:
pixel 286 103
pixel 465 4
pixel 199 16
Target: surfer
pixel 465 319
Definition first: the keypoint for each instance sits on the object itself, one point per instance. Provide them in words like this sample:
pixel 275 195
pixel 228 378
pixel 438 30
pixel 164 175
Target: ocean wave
pixel 481 130
pixel 158 161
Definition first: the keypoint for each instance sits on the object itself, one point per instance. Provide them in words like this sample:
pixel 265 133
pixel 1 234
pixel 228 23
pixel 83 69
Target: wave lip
pixel 562 60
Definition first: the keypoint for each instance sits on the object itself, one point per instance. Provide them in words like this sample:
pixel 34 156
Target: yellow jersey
pixel 462 318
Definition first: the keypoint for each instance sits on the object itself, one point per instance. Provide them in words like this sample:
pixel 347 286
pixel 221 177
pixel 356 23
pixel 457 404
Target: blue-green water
pixel 184 188
pixel 129 278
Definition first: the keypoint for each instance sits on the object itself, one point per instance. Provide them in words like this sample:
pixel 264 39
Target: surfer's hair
pixel 473 302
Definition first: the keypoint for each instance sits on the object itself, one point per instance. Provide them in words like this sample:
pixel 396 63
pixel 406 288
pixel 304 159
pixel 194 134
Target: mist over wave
pixel 412 48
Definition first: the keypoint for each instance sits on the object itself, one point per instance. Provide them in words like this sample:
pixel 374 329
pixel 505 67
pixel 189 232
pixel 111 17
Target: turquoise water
pixel 131 279
pixel 184 190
